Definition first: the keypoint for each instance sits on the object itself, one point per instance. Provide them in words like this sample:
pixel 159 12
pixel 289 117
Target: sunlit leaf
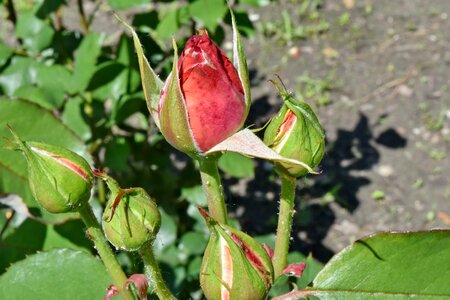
pixel 125 4
pixel 35 33
pixel 237 165
pixel 208 12
pixel 40 277
pixel 5 54
pixel 85 61
pixel 21 71
pixel 75 118
pixel 388 266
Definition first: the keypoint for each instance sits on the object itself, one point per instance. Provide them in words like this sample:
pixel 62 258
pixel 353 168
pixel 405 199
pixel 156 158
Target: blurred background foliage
pixel 64 83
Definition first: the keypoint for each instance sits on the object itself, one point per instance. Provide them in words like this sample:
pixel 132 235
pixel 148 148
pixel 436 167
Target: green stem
pixel 212 187
pixel 104 250
pixel 12 15
pixel 83 19
pixel 284 224
pixel 153 273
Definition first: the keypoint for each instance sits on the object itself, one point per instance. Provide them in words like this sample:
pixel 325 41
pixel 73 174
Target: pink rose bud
pixel 204 90
pixel 234 265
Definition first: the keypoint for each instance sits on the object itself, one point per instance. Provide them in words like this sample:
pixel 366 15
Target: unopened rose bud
pixel 295 132
pixel 234 265
pixel 203 100
pixel 60 180
pixel 131 218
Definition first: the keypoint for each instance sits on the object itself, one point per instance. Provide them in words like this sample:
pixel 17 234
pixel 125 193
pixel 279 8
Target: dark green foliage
pixel 82 90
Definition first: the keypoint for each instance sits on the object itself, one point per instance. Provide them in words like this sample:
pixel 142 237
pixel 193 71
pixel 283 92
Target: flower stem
pixel 104 250
pixel 212 187
pixel 153 273
pixel 83 19
pixel 287 211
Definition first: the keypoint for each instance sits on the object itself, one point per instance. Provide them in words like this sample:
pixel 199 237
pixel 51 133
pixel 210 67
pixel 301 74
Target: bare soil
pixel 387 123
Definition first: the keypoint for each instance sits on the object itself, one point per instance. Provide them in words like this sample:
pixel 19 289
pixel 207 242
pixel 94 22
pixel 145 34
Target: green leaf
pixel 32 123
pixel 193 269
pixel 199 222
pixel 167 233
pixel 169 23
pixel 57 274
pixel 237 165
pixel 127 106
pixel 256 3
pixel 32 236
pixel 389 266
pixel 34 94
pixel 193 243
pixel 21 71
pixel 125 4
pixel 36 34
pixel 75 118
pixel 35 81
pixel 125 51
pixel 70 234
pixel 171 256
pixel 208 12
pixel 127 57
pixel 28 238
pixel 5 54
pixel 116 154
pixel 151 84
pixel 109 81
pixel 85 61
pixel 54 81
pixel 194 194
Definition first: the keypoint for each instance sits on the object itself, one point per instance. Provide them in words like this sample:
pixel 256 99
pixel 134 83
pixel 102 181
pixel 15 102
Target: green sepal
pixel 151 84
pixel 131 218
pixel 239 61
pixel 304 111
pixel 245 142
pixel 249 280
pixel 60 180
pixel 173 113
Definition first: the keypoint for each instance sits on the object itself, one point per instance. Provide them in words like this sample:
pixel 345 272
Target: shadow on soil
pixel 347 157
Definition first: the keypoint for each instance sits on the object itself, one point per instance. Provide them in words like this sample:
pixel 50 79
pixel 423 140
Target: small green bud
pixel 60 180
pixel 234 265
pixel 131 218
pixel 295 133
